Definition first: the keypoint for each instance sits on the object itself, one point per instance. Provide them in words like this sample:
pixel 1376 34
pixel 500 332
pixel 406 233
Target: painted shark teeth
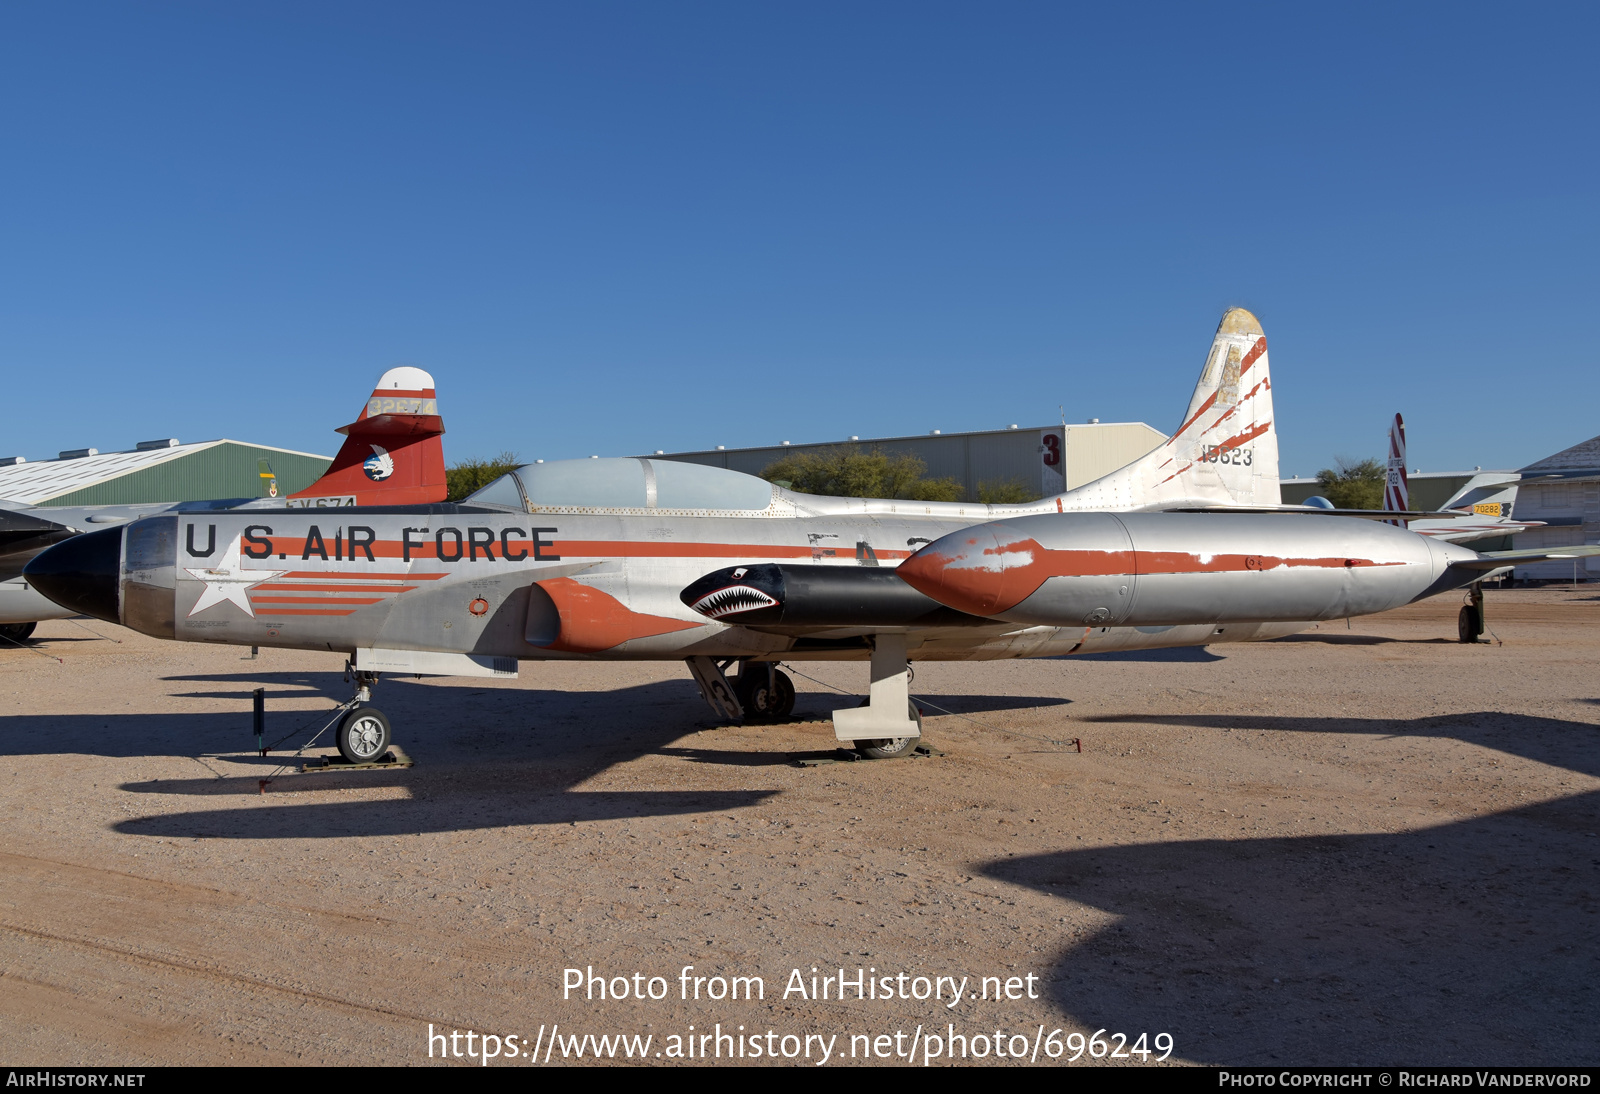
pixel 731 601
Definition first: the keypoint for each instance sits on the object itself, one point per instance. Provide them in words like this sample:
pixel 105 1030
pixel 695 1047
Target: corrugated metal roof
pixel 35 483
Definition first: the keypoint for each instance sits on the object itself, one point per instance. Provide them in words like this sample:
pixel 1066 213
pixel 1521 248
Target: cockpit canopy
pixel 624 484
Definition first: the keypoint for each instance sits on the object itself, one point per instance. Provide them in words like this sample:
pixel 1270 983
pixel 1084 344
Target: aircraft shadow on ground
pixel 1332 638
pixel 1556 742
pixel 1470 943
pixel 973 704
pixel 486 757
pixel 1174 655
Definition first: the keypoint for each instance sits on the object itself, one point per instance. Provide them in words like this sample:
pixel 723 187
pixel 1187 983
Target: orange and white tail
pixel 1224 453
pixel 1396 488
pixel 392 454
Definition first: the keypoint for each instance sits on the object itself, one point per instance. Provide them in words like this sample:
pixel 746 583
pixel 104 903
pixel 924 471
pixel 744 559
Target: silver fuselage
pixel 521 586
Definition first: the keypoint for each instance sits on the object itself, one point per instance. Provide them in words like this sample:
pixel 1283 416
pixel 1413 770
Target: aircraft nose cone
pixel 965 570
pixel 81 573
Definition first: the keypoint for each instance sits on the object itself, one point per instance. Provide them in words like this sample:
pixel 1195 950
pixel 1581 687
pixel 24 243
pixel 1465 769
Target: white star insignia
pixel 227 580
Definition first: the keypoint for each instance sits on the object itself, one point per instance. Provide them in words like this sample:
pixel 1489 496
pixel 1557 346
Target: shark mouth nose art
pixel 731 601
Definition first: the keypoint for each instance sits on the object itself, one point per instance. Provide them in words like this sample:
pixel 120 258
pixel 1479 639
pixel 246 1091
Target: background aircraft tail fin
pixel 1225 452
pixel 269 481
pixel 1397 488
pixel 392 454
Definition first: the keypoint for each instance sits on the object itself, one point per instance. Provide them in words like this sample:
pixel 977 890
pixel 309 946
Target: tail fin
pixel 392 454
pixel 269 481
pixel 1224 453
pixel 1397 489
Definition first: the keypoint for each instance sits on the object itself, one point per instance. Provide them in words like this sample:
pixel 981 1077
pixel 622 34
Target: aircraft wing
pixel 1495 560
pixel 23 535
pixel 1317 510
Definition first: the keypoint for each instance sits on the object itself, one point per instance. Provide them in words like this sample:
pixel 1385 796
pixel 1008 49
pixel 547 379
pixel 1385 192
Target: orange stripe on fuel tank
pixel 989 576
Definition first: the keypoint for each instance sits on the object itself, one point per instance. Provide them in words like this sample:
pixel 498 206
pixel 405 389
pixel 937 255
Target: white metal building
pixel 1562 490
pixel 1046 459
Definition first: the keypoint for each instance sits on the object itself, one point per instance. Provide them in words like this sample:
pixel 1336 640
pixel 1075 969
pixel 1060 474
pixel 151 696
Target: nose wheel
pixel 364 735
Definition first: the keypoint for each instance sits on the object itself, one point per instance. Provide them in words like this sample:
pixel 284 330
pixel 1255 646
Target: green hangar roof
pixel 155 472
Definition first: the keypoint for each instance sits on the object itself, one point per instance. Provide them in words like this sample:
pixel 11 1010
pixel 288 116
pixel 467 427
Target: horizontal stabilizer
pixel 1317 510
pixel 1495 560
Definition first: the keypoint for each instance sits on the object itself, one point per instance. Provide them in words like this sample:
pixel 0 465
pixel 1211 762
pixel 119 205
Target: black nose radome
pixel 81 573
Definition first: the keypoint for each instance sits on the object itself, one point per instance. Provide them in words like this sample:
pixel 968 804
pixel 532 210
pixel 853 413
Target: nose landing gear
pixel 1469 622
pixel 363 735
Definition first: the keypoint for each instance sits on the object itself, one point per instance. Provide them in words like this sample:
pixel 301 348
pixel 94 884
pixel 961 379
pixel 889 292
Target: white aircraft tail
pixel 1224 453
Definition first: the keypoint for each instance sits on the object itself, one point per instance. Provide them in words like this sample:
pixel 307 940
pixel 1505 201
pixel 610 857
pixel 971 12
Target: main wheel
pixel 364 735
pixel 784 699
pixel 891 748
pixel 765 701
pixel 1469 623
pixel 16 632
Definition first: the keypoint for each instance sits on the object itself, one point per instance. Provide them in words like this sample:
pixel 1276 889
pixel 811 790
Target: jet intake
pixel 571 617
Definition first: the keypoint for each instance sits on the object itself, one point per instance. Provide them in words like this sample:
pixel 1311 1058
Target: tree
pixel 470 476
pixel 1354 485
pixel 1006 492
pixel 851 473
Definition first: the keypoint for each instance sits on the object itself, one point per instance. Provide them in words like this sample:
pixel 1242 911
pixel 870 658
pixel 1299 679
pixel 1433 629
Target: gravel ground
pixel 1352 846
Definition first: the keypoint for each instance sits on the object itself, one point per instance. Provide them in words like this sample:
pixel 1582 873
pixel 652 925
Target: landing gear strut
pixel 888 725
pixel 759 693
pixel 363 735
pixel 1469 623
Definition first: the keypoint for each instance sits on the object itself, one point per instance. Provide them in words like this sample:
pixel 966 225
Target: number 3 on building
pixel 1052 450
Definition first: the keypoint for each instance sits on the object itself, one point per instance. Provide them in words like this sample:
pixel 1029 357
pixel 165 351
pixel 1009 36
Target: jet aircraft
pixel 1480 509
pixel 648 559
pixel 391 455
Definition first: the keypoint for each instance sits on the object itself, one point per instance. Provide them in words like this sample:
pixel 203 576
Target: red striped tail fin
pixel 1225 452
pixel 392 454
pixel 1397 488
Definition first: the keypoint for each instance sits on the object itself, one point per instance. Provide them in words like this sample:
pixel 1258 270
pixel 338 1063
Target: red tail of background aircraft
pixel 392 454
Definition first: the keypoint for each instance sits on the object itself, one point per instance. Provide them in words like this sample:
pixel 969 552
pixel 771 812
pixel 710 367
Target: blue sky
pixel 611 228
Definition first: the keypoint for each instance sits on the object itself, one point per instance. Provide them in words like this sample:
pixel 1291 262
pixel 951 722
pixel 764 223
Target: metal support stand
pixel 887 714
pixel 261 719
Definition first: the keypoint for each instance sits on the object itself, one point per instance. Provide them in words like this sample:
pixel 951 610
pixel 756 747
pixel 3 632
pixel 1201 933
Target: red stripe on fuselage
pixel 564 548
pixel 363 600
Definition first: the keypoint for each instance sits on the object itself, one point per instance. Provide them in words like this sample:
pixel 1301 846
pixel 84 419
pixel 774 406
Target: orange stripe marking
pixel 305 611
pixel 316 599
pixel 347 575
pixel 584 549
pixel 301 587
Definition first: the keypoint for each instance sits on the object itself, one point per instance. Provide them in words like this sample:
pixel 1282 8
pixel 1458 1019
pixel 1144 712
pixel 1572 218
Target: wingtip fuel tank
pixel 1170 569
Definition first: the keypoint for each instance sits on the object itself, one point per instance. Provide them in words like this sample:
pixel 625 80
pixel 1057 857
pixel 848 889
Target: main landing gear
pixel 759 692
pixel 16 633
pixel 1469 623
pixel 363 735
pixel 888 725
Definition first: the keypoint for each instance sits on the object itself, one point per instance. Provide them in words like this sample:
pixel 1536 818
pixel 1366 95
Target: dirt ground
pixel 1363 845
